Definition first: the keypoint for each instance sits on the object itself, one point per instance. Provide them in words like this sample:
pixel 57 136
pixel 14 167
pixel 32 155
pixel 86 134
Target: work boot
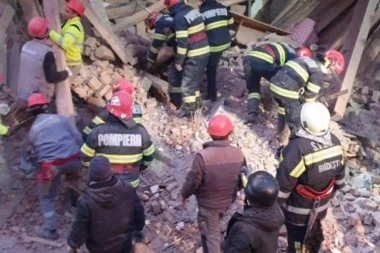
pixel 252 118
pixel 253 105
pixel 187 110
pixel 46 233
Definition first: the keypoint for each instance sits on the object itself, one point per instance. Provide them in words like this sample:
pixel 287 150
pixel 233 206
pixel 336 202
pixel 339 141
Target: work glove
pixel 4 130
pixel 138 236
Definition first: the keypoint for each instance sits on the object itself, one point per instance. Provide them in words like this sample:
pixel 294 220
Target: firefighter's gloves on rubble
pixel 138 236
pixel 69 71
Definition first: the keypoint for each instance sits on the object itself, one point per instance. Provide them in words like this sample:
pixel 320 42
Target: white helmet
pixel 315 118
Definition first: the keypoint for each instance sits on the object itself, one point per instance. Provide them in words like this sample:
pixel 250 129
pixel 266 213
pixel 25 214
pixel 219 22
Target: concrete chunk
pixel 104 53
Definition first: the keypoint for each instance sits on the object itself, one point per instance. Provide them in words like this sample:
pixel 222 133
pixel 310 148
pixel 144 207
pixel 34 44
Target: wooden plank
pixel 5 20
pixel 137 17
pixel 115 12
pixel 98 7
pixel 27 238
pixel 63 99
pixel 106 33
pixel 288 8
pixel 353 48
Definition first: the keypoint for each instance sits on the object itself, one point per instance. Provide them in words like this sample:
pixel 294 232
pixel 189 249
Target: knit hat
pixel 100 169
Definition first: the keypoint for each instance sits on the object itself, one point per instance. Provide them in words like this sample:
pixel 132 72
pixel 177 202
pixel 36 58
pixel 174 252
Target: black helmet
pixel 261 189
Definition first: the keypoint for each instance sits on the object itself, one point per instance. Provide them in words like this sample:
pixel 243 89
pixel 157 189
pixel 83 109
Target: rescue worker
pixel 124 142
pixel 217 20
pixel 264 61
pixel 101 118
pixel 71 38
pixel 257 229
pixel 311 169
pixel 163 33
pixel 300 80
pixel 192 53
pixel 38 70
pixel 55 145
pixel 214 179
pixel 107 213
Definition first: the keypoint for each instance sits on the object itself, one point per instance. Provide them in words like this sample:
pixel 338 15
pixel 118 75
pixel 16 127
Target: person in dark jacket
pixel 107 213
pixel 257 229
pixel 214 179
pixel 217 20
pixel 311 169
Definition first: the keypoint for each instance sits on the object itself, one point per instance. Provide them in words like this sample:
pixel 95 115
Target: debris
pixel 27 238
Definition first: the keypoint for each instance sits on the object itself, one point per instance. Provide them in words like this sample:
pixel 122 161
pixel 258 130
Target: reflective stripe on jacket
pixel 71 40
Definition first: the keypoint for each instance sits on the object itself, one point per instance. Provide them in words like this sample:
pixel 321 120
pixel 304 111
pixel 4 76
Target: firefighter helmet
pixel 336 60
pixel 38 27
pixel 122 84
pixel 261 189
pixel 304 52
pixel 76 6
pixel 37 99
pixel 170 3
pixel 151 20
pixel 220 126
pixel 120 105
pixel 315 125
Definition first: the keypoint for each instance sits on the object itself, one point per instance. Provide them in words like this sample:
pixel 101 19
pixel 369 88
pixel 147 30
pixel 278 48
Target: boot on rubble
pixel 253 110
pixel 187 110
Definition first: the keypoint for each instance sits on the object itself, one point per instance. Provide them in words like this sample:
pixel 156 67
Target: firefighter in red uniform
pixel 125 143
pixel 264 61
pixel 192 53
pixel 311 169
pixel 301 80
pixel 118 85
pixel 217 20
pixel 214 179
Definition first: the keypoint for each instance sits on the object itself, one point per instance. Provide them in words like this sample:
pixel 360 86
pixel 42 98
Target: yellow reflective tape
pixel 231 21
pixel 159 36
pixel 217 24
pixel 261 55
pixel 220 48
pixel 281 52
pixel 298 170
pixel 148 151
pixel 254 95
pixel 197 93
pixel 171 35
pixel 98 121
pixel 189 99
pixel 310 99
pixel 137 119
pixel 147 163
pixel 87 150
pixel 323 155
pixel 86 164
pixel 87 130
pixel 196 28
pixel 283 92
pixel 181 50
pixel 298 69
pixel 135 183
pixel 313 87
pixel 153 50
pixel 281 111
pixel 122 159
pixel 199 51
pixel 175 90
pixel 181 34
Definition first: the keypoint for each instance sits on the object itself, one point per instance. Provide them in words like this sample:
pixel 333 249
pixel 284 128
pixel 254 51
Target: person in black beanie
pixel 107 213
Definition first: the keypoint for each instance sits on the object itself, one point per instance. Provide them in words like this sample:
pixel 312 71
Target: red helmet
pixel 76 5
pixel 304 52
pixel 170 3
pixel 1 79
pixel 220 126
pixel 38 27
pixel 120 105
pixel 336 59
pixel 37 99
pixel 151 20
pixel 123 84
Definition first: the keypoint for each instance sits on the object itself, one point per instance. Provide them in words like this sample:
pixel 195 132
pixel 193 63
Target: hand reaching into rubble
pixel 178 67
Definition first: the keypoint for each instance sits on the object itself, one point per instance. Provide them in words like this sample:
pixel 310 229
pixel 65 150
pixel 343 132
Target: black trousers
pixel 290 109
pixel 254 70
pixel 186 83
pixel 212 66
pixel 296 238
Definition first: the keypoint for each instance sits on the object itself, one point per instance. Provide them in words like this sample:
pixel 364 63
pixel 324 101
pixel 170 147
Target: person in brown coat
pixel 214 179
pixel 108 213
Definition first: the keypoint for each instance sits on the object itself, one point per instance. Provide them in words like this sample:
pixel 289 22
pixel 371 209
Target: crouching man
pixel 107 213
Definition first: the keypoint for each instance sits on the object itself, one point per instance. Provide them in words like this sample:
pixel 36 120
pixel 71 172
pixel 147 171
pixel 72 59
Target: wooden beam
pixel 98 7
pixel 353 48
pixel 107 34
pixel 115 12
pixel 63 99
pixel 5 20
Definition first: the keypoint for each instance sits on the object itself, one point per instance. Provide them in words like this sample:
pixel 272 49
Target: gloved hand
pixel 138 236
pixel 69 71
pixel 4 130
